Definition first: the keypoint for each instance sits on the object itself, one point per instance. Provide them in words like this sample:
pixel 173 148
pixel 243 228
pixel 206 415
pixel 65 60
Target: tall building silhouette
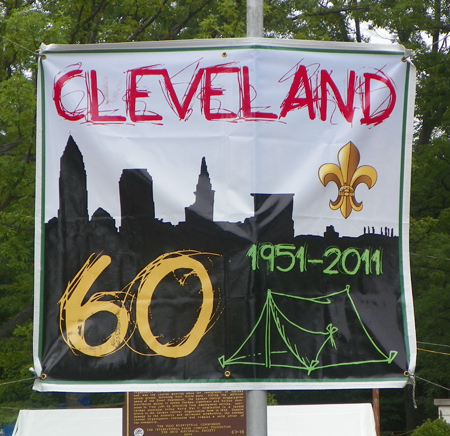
pixel 136 194
pixel 273 216
pixel 204 196
pixel 72 184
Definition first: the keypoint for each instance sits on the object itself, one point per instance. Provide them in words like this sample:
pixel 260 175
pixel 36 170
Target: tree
pixel 433 428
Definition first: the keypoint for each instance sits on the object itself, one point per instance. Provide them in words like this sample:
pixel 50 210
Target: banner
pixel 223 215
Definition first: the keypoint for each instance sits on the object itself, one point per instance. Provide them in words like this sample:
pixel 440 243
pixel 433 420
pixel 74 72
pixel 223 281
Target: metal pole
pixel 256 401
pixel 256 405
pixel 255 18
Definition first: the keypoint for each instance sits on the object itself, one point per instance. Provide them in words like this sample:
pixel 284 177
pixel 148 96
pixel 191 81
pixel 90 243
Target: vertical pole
pixel 256 405
pixel 256 401
pixel 376 409
pixel 255 18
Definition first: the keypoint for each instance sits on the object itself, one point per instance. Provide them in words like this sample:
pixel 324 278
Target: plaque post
pixel 256 406
pixel 256 401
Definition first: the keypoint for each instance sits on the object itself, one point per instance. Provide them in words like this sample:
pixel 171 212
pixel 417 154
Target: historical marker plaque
pixel 184 413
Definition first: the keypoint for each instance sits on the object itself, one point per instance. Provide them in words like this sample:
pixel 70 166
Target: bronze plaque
pixel 184 413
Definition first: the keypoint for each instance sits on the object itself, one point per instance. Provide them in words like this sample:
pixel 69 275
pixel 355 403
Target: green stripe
pixel 42 260
pixel 402 180
pixel 223 381
pixel 226 47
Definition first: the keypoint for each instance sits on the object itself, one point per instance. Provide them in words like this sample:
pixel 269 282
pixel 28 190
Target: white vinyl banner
pixel 223 214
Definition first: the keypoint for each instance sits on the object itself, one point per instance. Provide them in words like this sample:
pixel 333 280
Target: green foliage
pixel 430 189
pixel 271 399
pixel 430 251
pixel 433 428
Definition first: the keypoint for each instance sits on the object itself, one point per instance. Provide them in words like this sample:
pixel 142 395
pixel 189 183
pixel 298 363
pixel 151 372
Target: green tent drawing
pixel 274 322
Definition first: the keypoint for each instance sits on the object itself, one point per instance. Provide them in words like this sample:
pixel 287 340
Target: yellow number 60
pixel 74 313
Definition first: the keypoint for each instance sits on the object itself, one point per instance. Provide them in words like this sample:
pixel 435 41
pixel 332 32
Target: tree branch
pixel 80 23
pixel 177 27
pixel 8 201
pixel 25 314
pixel 77 25
pixel 147 23
pixel 9 146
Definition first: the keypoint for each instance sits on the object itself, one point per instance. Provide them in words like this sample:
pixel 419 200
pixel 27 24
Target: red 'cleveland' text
pixel 314 92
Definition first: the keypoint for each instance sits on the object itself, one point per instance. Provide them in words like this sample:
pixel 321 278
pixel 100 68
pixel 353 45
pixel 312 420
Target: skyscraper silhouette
pixel 72 184
pixel 204 196
pixel 136 194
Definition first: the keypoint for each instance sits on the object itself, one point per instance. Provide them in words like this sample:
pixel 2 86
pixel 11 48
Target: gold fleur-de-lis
pixel 347 177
